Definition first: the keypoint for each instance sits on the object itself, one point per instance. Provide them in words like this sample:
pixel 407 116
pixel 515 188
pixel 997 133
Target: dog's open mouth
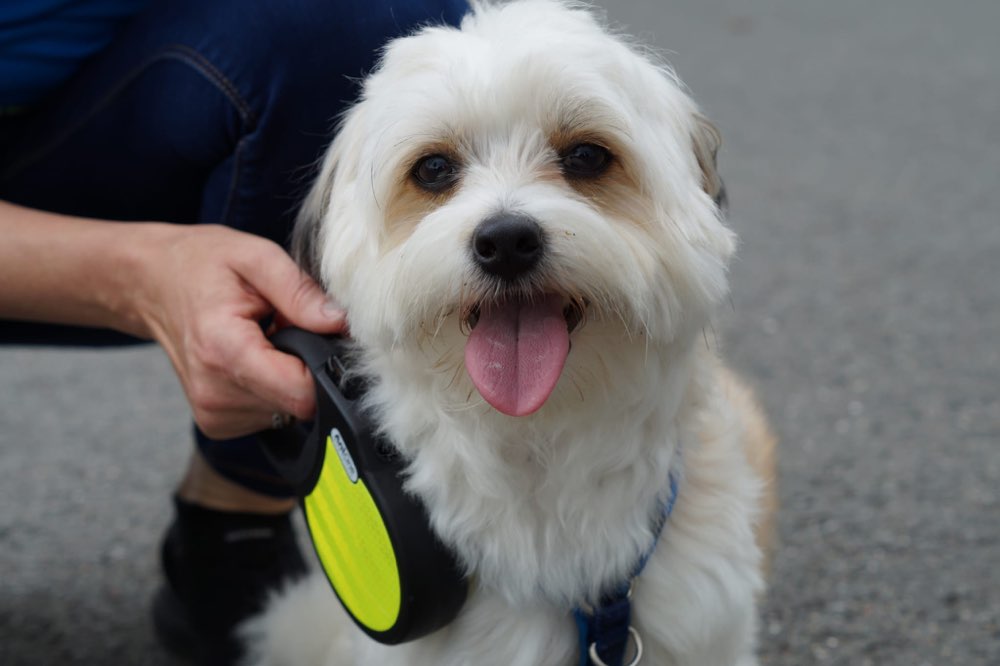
pixel 517 349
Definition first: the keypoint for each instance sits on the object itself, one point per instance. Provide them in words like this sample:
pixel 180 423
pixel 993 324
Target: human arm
pixel 198 290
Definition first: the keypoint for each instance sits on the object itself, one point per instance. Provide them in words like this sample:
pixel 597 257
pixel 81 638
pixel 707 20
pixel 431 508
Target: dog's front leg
pixel 731 645
pixel 699 612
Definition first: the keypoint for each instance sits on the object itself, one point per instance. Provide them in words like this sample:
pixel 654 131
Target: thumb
pixel 309 307
pixel 292 293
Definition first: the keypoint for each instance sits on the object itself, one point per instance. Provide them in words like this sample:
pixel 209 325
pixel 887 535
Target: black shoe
pixel 220 568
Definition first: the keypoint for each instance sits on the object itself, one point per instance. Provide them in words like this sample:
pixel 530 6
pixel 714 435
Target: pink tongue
pixel 516 353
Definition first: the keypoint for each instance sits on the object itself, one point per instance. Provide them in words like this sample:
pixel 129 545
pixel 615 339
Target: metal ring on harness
pixel 597 661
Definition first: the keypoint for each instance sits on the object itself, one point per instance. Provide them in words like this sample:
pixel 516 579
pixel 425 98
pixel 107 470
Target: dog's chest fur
pixel 560 507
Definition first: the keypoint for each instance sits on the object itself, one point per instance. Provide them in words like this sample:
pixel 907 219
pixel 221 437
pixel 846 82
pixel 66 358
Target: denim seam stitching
pixel 179 52
pixel 234 182
pixel 214 75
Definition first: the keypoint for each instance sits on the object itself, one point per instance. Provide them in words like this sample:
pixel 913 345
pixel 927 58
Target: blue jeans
pixel 201 111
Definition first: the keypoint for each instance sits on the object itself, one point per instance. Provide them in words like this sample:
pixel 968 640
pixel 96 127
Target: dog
pixel 524 221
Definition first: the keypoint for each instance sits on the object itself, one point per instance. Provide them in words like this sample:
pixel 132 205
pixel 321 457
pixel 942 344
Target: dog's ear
pixel 306 242
pixel 706 140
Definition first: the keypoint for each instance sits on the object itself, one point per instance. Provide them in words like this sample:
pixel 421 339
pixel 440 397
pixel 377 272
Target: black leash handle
pixel 432 587
pixel 296 451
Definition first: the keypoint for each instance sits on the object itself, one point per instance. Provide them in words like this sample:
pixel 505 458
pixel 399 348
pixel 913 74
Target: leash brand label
pixel 340 446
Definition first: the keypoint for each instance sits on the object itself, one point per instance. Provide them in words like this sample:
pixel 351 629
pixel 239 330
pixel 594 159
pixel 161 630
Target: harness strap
pixel 604 630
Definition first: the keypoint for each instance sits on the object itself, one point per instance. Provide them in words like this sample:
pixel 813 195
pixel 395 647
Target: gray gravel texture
pixel 862 155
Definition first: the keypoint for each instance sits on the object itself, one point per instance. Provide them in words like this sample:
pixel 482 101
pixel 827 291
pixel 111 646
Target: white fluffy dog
pixel 522 218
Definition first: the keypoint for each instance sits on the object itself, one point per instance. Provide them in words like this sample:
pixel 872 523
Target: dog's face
pixel 515 202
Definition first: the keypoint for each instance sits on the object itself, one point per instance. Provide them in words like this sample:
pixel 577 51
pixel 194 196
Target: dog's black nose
pixel 508 245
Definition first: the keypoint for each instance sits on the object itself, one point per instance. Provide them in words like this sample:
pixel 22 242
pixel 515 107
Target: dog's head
pixel 508 190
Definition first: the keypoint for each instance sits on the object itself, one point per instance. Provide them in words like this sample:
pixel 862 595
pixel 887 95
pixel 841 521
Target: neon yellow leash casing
pixel 370 590
pixel 374 541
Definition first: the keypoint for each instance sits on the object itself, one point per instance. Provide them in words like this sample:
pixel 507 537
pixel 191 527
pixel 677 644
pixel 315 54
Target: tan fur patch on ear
pixel 706 140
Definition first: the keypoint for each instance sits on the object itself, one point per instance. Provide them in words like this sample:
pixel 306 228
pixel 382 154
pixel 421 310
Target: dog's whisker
pixel 468 405
pixel 441 364
pixel 439 323
pixel 455 376
pixel 626 326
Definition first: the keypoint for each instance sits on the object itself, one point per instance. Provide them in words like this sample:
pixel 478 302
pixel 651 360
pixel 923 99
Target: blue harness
pixel 604 629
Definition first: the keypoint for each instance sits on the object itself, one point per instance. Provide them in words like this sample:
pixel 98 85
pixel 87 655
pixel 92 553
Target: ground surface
pixel 862 155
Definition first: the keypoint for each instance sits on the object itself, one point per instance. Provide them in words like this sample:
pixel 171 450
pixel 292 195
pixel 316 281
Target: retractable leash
pixel 374 541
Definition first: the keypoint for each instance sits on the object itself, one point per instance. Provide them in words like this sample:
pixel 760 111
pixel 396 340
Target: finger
pixel 295 295
pixel 281 381
pixel 220 397
pixel 227 425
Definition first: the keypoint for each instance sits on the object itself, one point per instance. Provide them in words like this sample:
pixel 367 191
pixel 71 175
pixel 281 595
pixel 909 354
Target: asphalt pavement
pixel 861 150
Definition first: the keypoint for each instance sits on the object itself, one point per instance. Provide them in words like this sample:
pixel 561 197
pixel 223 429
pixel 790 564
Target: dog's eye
pixel 586 160
pixel 435 173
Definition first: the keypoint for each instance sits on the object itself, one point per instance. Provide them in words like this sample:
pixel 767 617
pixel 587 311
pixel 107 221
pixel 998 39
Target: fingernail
pixel 333 310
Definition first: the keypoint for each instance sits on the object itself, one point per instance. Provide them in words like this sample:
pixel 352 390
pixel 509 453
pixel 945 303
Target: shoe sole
pixel 171 626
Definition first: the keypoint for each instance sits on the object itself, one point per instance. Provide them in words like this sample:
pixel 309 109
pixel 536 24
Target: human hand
pixel 202 292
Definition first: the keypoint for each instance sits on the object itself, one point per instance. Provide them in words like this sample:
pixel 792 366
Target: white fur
pixel 546 510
